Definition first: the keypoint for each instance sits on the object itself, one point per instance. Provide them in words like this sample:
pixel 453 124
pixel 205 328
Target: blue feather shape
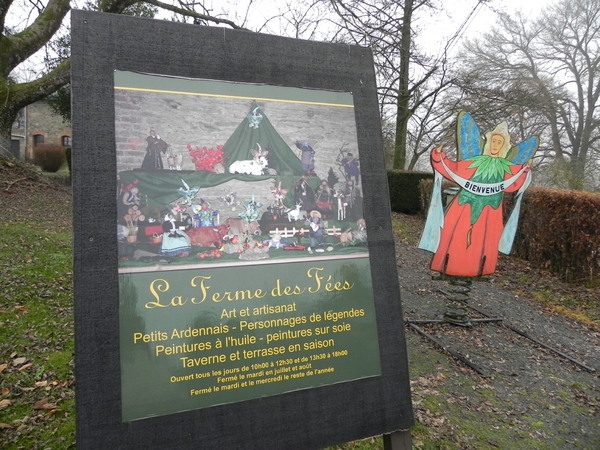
pixel 521 153
pixel 468 136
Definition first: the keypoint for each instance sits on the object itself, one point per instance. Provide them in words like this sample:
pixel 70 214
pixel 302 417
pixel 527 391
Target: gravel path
pixel 542 399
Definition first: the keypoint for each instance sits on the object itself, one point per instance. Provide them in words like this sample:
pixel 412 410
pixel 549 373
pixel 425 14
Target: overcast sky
pixel 444 25
pixel 435 29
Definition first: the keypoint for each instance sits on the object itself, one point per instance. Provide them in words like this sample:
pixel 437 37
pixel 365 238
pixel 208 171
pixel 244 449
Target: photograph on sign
pixel 244 269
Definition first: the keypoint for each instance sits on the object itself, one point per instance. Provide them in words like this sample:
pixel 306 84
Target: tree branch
pixel 194 14
pixel 23 94
pixel 17 48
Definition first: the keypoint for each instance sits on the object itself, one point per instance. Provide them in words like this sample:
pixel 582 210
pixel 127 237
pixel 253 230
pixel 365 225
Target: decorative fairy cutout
pixel 254 118
pixel 228 199
pixel 279 193
pixel 251 210
pixel 466 238
pixel 188 193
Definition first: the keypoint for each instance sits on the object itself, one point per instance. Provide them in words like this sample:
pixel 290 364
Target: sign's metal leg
pixel 398 440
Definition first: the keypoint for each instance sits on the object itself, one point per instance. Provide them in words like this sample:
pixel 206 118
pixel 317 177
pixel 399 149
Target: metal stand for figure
pixel 457 301
pixel 457 312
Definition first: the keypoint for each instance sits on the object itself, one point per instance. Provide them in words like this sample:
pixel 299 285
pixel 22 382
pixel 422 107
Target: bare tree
pixel 385 27
pixel 300 19
pixel 549 70
pixel 411 80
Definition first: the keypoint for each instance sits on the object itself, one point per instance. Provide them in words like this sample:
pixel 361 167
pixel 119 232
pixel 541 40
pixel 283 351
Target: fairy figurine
pixel 467 237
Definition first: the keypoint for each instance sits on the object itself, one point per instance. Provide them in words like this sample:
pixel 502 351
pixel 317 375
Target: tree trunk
pixel 403 110
pixel 7 117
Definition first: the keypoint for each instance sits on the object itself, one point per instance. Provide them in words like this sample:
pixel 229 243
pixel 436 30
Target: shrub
pixel 404 190
pixel 49 157
pixel 558 229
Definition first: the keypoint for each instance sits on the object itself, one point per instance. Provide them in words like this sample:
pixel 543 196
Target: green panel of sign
pixel 202 337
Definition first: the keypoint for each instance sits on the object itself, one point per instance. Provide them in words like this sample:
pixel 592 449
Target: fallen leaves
pixel 44 404
pixel 25 366
pixel 19 361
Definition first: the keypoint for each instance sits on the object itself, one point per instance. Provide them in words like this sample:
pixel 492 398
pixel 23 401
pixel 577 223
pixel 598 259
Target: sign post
pixel 235 281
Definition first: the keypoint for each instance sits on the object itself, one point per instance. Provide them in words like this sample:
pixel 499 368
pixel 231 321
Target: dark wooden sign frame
pixel 309 418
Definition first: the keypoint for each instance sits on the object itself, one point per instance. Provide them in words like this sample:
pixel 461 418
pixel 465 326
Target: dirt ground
pixel 526 395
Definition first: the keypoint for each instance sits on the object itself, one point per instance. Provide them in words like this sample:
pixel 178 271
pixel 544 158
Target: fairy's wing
pixel 523 152
pixel 469 142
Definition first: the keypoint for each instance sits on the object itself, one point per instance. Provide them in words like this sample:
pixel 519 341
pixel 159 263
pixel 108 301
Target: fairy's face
pixel 496 145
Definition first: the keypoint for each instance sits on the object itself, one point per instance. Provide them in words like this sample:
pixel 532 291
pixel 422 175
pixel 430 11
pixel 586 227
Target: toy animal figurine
pixel 171 162
pixel 341 204
pixel 295 214
pixel 356 235
pixel 175 161
pixel 255 166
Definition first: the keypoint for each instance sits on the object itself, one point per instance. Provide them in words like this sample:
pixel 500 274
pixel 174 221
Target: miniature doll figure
pixel 122 233
pixel 304 194
pixel 175 242
pixel 350 164
pixel 156 146
pixel 130 197
pixel 316 228
pixel 353 199
pixel 307 158
pixel 325 199
pixel 355 236
pixel 205 215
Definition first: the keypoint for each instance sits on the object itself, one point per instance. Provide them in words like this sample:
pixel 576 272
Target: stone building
pixel 37 124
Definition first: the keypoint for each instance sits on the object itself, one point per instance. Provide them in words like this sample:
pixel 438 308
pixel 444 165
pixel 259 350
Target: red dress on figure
pixel 464 249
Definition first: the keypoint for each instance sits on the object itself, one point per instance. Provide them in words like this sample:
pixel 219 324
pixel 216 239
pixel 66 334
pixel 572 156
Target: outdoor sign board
pixel 235 281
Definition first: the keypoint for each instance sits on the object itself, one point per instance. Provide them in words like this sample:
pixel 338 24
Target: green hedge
pixel 404 190
pixel 558 229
